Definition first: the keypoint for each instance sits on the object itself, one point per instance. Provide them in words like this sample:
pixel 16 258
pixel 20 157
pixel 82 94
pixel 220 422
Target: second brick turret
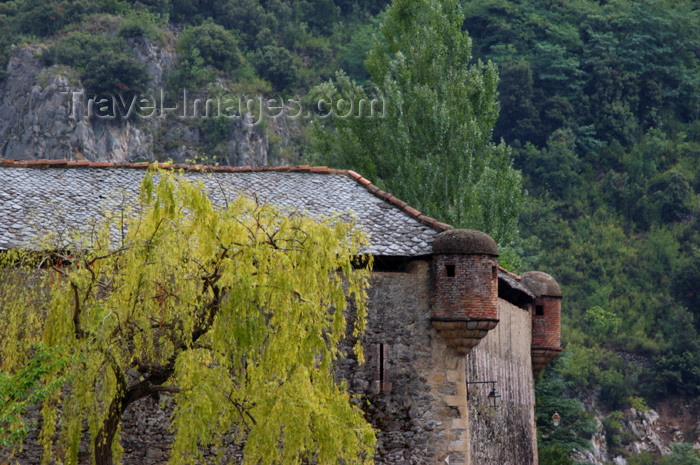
pixel 546 318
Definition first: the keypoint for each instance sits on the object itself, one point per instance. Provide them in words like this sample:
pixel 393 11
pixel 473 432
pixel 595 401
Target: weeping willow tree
pixel 237 312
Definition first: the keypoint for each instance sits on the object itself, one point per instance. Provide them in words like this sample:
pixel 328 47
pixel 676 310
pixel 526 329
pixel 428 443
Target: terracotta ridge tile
pixel 510 273
pixel 400 204
pixel 411 211
pixel 143 164
pixel 432 222
pixel 45 163
pixel 443 226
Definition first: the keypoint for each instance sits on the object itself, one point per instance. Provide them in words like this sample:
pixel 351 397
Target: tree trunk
pixel 103 441
pixel 105 437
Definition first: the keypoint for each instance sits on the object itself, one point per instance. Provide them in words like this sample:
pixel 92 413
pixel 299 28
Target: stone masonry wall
pixel 412 382
pixel 505 435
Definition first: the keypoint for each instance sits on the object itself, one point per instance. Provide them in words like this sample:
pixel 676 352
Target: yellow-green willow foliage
pixel 238 312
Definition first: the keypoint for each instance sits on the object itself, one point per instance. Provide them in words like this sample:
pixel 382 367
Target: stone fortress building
pixel 449 331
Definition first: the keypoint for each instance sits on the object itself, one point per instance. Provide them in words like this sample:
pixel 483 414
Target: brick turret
pixel 464 303
pixel 546 319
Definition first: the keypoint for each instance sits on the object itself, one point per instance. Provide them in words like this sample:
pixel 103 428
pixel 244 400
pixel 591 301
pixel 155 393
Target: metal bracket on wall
pixel 494 396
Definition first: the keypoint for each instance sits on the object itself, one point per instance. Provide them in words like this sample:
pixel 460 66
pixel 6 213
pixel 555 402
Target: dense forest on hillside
pixel 599 104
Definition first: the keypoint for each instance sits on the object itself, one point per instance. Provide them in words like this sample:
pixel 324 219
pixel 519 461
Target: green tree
pixel 686 278
pixel 205 49
pixel 684 454
pixel 79 47
pixel 276 65
pixel 602 322
pixel 103 62
pixel 247 17
pixel 432 145
pixel 25 388
pixel 321 15
pixel 192 11
pixel 215 45
pixel 238 312
pixel 555 394
pixel 115 73
pixel 554 455
pixel 47 18
pixel 671 195
pixel 352 54
pixel 519 117
pixel 554 168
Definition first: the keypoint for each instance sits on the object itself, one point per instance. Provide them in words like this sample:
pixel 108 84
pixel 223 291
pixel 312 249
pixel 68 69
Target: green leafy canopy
pixel 432 148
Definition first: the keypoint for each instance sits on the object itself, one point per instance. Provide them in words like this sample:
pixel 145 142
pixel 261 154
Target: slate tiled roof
pixel 43 197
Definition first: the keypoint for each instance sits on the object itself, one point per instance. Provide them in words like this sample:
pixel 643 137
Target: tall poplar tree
pixel 237 312
pixel 433 146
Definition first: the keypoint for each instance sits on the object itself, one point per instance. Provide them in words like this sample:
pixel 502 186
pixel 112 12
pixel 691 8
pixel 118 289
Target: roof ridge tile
pixel 405 207
pixel 510 273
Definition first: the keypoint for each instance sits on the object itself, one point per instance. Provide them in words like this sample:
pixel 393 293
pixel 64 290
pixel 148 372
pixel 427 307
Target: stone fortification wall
pixel 505 435
pixel 418 394
pixel 146 439
pixel 409 371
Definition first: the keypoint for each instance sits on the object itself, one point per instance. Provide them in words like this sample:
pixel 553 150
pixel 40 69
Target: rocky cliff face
pixel 652 431
pixel 44 115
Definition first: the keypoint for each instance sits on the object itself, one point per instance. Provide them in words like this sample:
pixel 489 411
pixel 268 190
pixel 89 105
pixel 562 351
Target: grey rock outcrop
pixel 645 428
pixel 41 116
pixel 44 115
